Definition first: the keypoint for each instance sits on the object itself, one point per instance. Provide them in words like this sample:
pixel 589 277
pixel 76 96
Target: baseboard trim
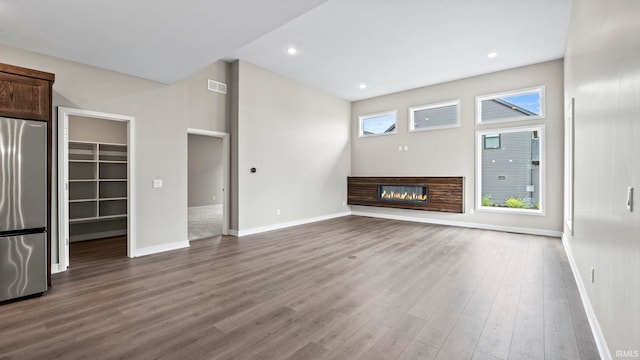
pixel 598 336
pixel 287 224
pixel 512 229
pixel 98 235
pixel 55 268
pixel 161 248
pixel 284 225
pixel 206 206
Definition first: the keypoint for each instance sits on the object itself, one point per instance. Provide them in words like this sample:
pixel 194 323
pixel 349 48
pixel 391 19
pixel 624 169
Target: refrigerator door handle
pixel 22 232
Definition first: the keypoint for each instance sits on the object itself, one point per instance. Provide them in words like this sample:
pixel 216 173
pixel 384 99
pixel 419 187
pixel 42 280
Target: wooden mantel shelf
pixel 445 194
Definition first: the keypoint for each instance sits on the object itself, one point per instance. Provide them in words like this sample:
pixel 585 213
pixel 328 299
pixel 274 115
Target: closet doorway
pixel 95 187
pixel 207 213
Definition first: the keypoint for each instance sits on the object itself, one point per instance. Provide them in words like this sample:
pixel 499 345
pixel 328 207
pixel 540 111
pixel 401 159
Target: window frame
pixel 362 118
pixel 480 98
pixel 484 142
pixel 542 169
pixel 413 109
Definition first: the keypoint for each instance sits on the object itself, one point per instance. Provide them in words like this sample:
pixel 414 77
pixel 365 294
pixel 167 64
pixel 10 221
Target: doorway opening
pixel 207 184
pixel 95 187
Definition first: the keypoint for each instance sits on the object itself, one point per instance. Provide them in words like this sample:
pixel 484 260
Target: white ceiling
pixel 389 45
pixel 162 40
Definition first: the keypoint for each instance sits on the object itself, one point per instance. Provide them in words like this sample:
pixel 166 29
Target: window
pixel 491 141
pixel 515 105
pixel 510 170
pixel 435 116
pixel 378 124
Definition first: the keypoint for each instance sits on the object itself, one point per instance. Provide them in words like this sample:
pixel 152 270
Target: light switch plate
pixel 157 183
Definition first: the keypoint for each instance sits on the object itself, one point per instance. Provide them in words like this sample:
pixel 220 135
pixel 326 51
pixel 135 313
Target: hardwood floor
pixel 87 254
pixel 348 288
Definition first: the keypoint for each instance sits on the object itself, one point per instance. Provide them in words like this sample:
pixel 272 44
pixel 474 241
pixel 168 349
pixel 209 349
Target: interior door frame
pixel 63 179
pixel 225 171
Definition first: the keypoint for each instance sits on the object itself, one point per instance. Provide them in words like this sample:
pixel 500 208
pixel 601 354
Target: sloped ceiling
pixel 160 40
pixel 388 45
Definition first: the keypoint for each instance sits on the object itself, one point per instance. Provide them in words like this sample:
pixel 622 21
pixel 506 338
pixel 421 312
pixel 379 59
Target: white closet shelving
pixel 97 189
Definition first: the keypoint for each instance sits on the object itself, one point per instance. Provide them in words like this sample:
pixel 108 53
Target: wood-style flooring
pixel 91 253
pixel 347 288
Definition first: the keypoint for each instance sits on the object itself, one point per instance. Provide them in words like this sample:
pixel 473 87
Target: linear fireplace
pixel 410 193
pixel 427 193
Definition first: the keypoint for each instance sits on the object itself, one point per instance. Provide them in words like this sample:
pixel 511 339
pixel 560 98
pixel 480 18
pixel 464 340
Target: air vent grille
pixel 217 86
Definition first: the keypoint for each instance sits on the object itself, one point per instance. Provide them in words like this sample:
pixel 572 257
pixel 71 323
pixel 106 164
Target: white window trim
pixel 361 119
pixel 543 166
pixel 479 99
pixel 413 109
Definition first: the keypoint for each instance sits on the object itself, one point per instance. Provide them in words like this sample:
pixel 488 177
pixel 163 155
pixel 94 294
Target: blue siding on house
pixel 507 171
pixel 436 117
pixel 493 110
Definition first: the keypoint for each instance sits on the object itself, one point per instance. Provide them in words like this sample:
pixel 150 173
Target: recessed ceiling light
pixel 292 50
pixel 492 54
pixel 363 86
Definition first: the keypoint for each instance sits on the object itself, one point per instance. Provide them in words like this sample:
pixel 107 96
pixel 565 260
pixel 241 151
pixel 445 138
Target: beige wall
pixel 205 170
pixel 298 139
pixel 602 73
pixel 231 110
pixel 451 152
pixel 205 109
pixel 162 115
pixel 233 105
pixel 97 130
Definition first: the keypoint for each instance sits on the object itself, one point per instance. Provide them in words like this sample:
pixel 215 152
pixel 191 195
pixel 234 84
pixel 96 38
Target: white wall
pixel 298 139
pixel 162 115
pixel 451 152
pixel 205 170
pixel 602 73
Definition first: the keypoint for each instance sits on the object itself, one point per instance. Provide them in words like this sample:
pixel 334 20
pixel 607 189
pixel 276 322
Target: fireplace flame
pixel 405 196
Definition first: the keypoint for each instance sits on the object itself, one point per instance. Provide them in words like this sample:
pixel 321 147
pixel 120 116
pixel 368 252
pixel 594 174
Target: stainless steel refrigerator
pixel 23 200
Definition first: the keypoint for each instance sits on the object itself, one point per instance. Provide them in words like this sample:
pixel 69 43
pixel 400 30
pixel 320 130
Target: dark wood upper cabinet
pixel 25 93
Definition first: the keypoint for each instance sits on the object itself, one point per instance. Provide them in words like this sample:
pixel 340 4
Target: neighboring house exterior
pixel 498 109
pixel 510 161
pixel 390 129
pixel 436 117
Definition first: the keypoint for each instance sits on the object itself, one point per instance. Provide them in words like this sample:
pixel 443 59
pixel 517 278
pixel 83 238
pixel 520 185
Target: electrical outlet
pixel 213 197
pixel 471 211
pixel 344 203
pixel 593 275
pixel 278 212
pixel 157 183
